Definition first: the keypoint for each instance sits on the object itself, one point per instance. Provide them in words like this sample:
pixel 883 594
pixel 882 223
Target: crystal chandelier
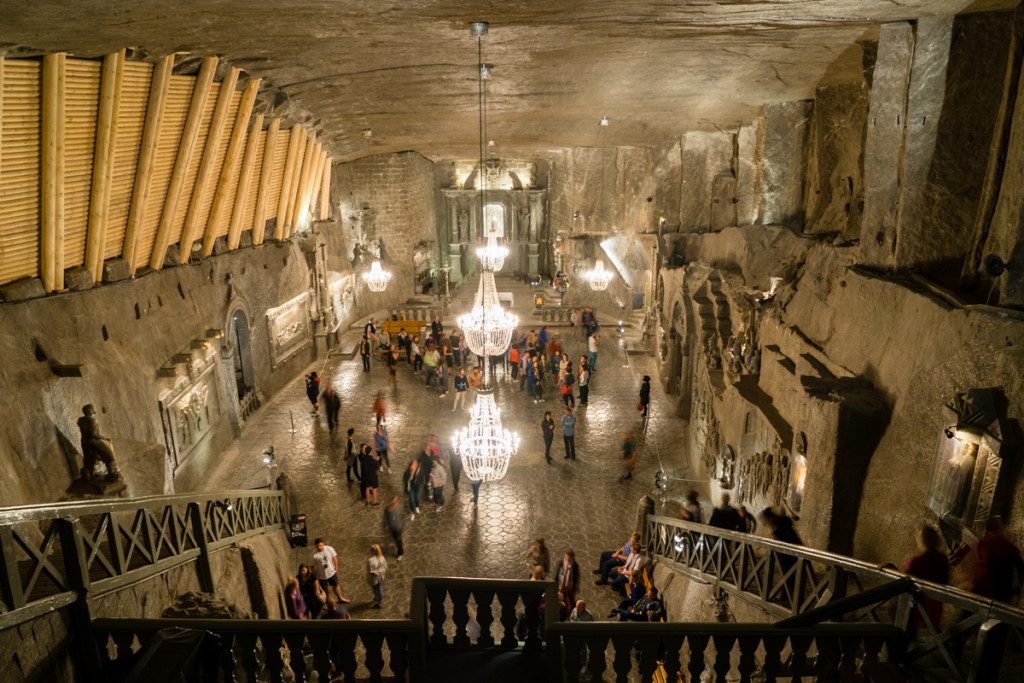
pixel 598 277
pixel 377 279
pixel 492 257
pixel 488 327
pixel 485 446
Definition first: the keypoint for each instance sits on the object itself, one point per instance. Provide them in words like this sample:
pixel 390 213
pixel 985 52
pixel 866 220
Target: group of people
pixel 314 591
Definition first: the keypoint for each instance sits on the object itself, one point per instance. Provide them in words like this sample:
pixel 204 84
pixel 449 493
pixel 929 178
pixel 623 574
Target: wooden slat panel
pixel 277 175
pixel 293 182
pixel 189 184
pixel 299 203
pixel 179 94
pixel 19 170
pixel 103 167
pixel 259 214
pixel 313 186
pixel 218 164
pixel 51 238
pixel 325 192
pixel 81 106
pixel 254 182
pixel 244 181
pixel 147 156
pixel 131 119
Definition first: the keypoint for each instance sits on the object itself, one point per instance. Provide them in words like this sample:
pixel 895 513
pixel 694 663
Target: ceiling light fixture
pixel 599 278
pixel 377 279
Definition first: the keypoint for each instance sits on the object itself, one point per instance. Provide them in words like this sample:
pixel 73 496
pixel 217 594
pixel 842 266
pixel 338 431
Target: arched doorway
pixel 241 357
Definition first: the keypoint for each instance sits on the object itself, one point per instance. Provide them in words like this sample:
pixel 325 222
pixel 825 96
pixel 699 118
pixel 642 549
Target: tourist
pixel 431 359
pixel 568 379
pixel 438 478
pixel 369 466
pixel 455 468
pixel 461 385
pixel 530 376
pixel 555 363
pixel 442 379
pixel 542 339
pixel 293 600
pixel 632 594
pixel 403 345
pixel 692 511
pixel 379 409
pixel 383 345
pixel 364 352
pixel 999 568
pixel 547 428
pixel 474 485
pixel 332 406
pixel 584 384
pixel 610 559
pixel 392 360
pixel 930 564
pixel 569 434
pixel 436 329
pixel 648 608
pixel 313 596
pixel 619 577
pixel 351 458
pixel 376 565
pixel 567 580
pixel 417 355
pixel 748 520
pixel 538 379
pixel 370 329
pixel 780 526
pixel 592 342
pixel 645 396
pixel 628 456
pixel 412 482
pixel 538 557
pixel 574 318
pixel 449 357
pixel 455 343
pixel 586 321
pixel 580 612
pixel 334 610
pixel 325 567
pixel 531 340
pixel 382 444
pixel 313 391
pixel 476 378
pixel 514 360
pixel 725 516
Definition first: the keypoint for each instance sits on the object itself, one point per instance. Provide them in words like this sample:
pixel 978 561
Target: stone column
pixel 782 162
pixel 533 246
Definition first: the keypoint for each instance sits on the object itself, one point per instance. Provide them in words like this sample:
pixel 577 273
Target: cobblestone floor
pixel 571 504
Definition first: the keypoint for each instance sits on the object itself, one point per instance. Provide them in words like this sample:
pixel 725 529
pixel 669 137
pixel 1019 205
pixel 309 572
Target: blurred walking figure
pixel 313 391
pixel 332 406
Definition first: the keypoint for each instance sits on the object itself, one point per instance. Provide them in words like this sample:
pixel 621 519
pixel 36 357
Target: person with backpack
pixel 461 385
pixel 567 393
pixel 438 478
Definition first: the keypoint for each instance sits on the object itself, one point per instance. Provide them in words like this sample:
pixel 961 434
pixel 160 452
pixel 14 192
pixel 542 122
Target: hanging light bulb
pixel 599 277
pixel 377 279
pixel 484 446
pixel 488 327
pixel 492 257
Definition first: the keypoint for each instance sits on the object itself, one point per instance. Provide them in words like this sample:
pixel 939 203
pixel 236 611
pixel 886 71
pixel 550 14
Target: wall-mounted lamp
pixel 225 505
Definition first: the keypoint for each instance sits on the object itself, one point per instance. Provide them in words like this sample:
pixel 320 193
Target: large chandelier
pixel 485 446
pixel 492 257
pixel 488 327
pixel 377 279
pixel 599 278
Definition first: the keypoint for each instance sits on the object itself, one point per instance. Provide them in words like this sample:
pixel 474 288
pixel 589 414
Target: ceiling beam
pixel 242 193
pixel 259 220
pixel 299 203
pixel 51 251
pixel 111 76
pixel 286 180
pixel 313 190
pixel 302 155
pixel 220 115
pixel 183 159
pixel 231 159
pixel 325 191
pixel 147 153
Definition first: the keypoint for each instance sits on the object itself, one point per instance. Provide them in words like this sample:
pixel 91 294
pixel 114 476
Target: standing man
pixel 394 522
pixel 725 516
pixel 325 566
pixel 365 348
pixel 645 396
pixel 431 360
pixel 547 427
pixel 569 434
pixel 370 330
pixel 351 461
pixel 542 339
pixel 461 385
pixel 592 343
pixel 381 444
pixel 332 406
pixel 584 383
pixel 455 467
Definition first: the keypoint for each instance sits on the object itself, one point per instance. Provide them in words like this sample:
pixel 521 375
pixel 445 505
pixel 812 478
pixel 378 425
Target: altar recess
pixel 513 209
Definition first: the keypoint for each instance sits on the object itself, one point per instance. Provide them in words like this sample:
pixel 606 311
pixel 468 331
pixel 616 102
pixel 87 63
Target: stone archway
pixel 239 340
pixel 239 372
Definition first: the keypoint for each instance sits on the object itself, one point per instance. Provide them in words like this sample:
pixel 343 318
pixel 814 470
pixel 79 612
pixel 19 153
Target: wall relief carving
pixel 191 409
pixel 289 328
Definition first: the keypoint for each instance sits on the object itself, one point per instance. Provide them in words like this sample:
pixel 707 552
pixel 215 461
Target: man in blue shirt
pixel 569 434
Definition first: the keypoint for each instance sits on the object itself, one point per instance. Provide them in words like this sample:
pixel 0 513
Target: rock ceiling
pixel 406 70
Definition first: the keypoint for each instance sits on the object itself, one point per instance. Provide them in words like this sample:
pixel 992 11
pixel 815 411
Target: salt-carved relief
pixel 342 296
pixel 289 328
pixel 191 408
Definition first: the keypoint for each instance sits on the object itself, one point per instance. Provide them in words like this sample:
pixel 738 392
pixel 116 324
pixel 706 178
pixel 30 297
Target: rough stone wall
pixel 396 196
pixel 121 335
pixel 708 181
pixel 783 134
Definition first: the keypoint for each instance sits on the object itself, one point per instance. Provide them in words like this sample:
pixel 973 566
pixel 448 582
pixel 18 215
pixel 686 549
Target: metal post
pixel 988 651
pixel 204 572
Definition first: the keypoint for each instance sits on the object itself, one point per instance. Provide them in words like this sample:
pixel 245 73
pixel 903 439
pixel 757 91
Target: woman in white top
pixel 376 565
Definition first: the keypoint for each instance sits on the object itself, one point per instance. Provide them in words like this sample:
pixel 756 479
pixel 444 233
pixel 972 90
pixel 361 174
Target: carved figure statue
pixel 463 225
pixel 95 446
pixel 524 222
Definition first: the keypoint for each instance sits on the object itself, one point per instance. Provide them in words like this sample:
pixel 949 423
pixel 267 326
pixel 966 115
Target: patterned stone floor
pixel 579 505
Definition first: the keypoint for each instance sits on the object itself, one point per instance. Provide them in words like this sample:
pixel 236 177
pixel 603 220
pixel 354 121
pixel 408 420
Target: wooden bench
pixel 393 327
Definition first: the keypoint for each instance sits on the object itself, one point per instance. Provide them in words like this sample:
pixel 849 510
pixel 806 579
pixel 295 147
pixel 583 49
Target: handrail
pixel 54 555
pixel 788 580
pixel 112 625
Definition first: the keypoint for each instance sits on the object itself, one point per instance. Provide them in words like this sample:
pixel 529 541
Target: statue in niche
pixel 735 356
pixel 752 360
pixel 524 222
pixel 727 478
pixel 95 446
pixel 380 250
pixel 463 225
pixel 714 359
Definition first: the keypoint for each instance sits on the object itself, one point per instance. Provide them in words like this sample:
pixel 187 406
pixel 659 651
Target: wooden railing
pixel 805 587
pixel 671 650
pixel 55 554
